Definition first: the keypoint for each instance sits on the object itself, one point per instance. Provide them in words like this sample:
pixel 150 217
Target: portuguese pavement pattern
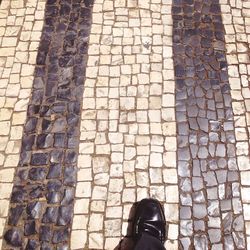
pixel 104 103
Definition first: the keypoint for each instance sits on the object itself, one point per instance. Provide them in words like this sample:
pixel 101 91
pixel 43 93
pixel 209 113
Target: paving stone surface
pixel 211 214
pixel 103 103
pixel 127 145
pixel 236 19
pixel 20 30
pixel 42 199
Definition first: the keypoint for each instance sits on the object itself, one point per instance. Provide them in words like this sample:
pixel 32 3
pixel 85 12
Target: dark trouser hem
pixel 148 242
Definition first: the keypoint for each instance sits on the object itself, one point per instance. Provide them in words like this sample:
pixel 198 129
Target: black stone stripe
pixel 41 208
pixel 210 203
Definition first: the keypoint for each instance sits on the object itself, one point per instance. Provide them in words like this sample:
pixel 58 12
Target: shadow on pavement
pixel 127 242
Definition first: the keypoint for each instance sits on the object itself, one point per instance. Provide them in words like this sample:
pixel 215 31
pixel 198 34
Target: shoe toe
pixel 149 218
pixel 151 211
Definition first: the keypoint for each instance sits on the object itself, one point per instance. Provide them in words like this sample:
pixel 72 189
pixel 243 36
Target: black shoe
pixel 149 218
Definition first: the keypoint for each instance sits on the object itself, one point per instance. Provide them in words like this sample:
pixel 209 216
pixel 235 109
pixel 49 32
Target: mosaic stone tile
pixel 128 131
pixel 204 113
pixel 236 22
pixel 42 199
pixel 18 39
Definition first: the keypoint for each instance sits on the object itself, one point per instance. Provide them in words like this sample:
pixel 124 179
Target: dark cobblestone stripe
pixel 42 199
pixel 210 204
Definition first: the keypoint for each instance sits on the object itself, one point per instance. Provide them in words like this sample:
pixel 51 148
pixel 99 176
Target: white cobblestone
pixel 236 21
pixel 133 90
pixel 17 59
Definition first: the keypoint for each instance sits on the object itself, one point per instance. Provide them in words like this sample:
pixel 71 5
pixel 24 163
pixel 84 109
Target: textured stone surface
pixel 128 132
pixel 20 31
pixel 237 49
pixel 47 166
pixel 204 115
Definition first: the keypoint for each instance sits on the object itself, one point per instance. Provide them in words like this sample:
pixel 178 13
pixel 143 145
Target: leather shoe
pixel 149 218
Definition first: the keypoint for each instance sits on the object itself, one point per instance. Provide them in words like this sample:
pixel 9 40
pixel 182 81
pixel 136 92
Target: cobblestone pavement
pixel 236 19
pixel 124 100
pixel 210 201
pixel 128 142
pixel 43 193
pixel 20 30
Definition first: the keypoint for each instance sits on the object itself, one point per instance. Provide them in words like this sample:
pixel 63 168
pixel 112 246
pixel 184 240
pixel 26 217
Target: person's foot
pixel 149 218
